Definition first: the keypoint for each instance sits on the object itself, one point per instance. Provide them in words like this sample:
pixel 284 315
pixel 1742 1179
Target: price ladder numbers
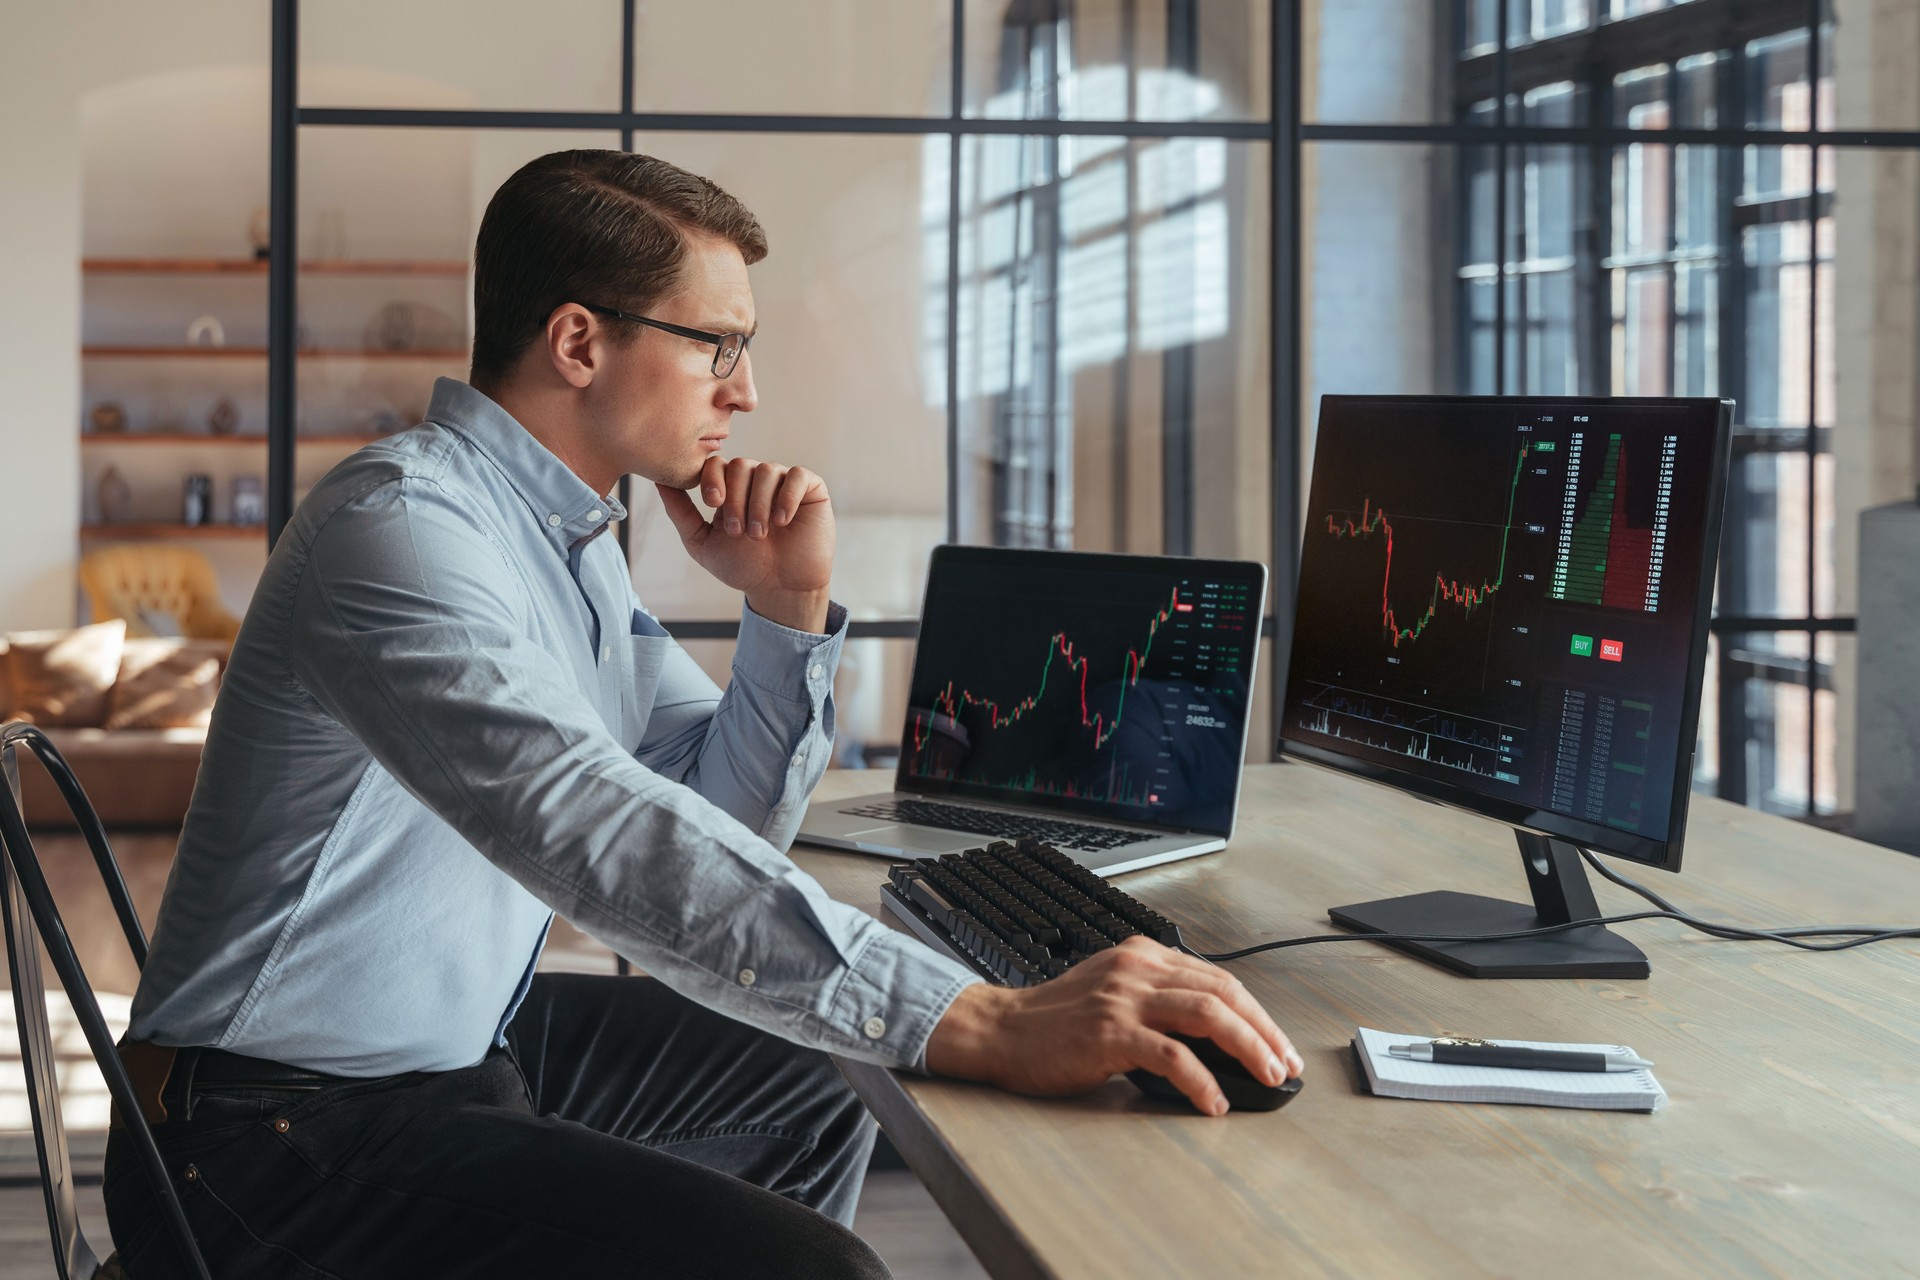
pixel 1669 448
pixel 1575 446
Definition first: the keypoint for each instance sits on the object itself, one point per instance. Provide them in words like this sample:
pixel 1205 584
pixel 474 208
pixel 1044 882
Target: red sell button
pixel 1612 650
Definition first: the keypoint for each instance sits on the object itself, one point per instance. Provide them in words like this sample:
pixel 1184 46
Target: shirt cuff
pixel 896 991
pixel 768 653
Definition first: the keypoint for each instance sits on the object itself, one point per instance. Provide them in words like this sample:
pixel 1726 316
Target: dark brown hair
pixel 607 227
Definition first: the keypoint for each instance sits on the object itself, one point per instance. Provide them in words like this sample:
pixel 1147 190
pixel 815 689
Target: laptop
pixel 1096 702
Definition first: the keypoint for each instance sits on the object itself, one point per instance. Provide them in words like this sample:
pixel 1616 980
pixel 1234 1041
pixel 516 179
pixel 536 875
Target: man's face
pixel 660 411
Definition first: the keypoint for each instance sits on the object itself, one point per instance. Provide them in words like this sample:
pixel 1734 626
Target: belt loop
pixel 192 1057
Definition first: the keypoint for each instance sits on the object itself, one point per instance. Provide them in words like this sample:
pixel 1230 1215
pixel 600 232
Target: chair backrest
pixel 135 579
pixel 28 910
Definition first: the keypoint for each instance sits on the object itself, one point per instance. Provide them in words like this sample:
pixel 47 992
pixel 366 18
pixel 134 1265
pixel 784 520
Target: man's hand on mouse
pixel 1110 1013
pixel 770 538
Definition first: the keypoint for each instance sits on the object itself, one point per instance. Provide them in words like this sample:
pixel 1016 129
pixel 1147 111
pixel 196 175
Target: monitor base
pixel 1561 893
pixel 1593 952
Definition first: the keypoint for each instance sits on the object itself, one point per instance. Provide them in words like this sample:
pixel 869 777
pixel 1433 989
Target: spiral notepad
pixel 1393 1077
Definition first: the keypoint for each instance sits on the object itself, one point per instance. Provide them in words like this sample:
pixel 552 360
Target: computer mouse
pixel 1244 1092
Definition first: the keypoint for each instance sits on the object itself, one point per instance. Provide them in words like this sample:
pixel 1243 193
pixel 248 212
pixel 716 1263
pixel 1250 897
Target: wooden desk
pixel 1791 1148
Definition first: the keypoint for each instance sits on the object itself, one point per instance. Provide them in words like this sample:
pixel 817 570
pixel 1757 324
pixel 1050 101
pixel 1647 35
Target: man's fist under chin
pixel 770 536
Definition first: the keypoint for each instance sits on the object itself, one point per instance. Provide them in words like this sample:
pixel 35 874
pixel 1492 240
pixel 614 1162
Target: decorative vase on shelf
pixel 116 496
pixel 249 500
pixel 196 505
pixel 207 331
pixel 108 418
pixel 224 418
pixel 260 232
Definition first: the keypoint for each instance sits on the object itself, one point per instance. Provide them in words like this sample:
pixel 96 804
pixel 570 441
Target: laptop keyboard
pixel 1007 826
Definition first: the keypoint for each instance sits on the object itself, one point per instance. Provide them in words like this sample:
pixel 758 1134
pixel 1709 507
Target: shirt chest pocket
pixel 649 655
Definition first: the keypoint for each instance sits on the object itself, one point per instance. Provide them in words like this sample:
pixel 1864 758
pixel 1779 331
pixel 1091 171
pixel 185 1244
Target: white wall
pixel 51 57
pixel 39 312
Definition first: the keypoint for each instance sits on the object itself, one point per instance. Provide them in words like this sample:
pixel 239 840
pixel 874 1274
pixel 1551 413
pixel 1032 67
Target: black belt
pixel 219 1068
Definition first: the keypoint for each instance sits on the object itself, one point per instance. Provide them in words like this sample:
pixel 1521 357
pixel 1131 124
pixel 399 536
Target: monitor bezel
pixel 1663 854
pixel 1253 572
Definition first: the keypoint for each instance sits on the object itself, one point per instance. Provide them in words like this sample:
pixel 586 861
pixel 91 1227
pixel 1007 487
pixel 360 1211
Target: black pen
pixel 1493 1055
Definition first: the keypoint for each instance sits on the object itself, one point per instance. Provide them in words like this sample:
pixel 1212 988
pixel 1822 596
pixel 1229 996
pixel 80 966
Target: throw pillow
pixel 159 622
pixel 166 684
pixel 63 677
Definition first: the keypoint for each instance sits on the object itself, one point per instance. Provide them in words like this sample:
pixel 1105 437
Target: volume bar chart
pixel 1466 743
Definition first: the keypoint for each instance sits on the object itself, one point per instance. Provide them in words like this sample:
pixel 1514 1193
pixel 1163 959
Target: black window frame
pixel 1278 130
pixel 1663 35
pixel 1590 57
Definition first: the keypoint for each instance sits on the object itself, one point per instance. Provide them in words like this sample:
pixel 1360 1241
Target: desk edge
pixel 996 1242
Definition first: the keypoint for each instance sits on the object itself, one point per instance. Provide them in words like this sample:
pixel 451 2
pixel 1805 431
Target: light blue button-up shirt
pixel 447 718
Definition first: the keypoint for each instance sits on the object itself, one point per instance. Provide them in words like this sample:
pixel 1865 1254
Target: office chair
pixel 28 908
pixel 142 582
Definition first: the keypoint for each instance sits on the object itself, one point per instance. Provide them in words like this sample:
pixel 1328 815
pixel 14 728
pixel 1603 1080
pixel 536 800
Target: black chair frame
pixel 28 909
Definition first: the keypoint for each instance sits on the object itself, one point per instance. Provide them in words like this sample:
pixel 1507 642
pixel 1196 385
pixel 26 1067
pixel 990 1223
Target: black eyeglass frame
pixel 719 340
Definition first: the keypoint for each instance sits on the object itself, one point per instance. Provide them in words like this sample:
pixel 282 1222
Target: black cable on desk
pixel 1789 936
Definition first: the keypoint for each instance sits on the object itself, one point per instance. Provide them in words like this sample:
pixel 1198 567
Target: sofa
pixel 128 713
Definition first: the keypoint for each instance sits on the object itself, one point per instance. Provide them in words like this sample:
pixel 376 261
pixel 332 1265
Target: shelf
pixel 139 529
pixel 258 267
pixel 201 437
pixel 260 353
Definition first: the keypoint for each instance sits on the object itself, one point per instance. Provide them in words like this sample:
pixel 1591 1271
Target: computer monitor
pixel 1503 607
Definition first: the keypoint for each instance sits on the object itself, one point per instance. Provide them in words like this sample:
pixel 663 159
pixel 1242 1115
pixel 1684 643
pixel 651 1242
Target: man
pixel 447 718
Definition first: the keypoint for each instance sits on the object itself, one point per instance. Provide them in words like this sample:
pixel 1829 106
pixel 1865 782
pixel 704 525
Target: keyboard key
pixel 1021 912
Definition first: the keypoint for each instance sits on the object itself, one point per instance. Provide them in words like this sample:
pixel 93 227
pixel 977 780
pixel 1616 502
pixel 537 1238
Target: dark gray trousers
pixel 624 1132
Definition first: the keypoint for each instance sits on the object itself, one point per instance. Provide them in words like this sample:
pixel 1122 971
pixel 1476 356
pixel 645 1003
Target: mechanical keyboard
pixel 1008 826
pixel 1017 913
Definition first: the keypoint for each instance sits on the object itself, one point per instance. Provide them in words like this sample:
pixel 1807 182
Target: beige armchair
pixel 137 581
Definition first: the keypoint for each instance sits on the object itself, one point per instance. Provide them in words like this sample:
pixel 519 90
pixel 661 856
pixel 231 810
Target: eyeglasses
pixel 727 347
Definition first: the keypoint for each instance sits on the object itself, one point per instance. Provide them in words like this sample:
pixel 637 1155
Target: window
pixel 1640 219
pixel 1050 338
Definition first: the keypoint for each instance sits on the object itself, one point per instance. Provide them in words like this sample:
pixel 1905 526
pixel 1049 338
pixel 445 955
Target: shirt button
pixel 553 519
pixel 799 759
pixel 606 654
pixel 813 672
pixel 596 514
pixel 746 977
pixel 875 1028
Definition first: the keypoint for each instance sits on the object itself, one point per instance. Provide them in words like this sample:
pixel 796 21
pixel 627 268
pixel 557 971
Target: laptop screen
pixel 1111 686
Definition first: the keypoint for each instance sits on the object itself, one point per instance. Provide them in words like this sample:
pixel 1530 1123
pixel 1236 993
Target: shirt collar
pixel 566 508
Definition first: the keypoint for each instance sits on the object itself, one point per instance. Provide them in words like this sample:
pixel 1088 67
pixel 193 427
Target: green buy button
pixel 1583 646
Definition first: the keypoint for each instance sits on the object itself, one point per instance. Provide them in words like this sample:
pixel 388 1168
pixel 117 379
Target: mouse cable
pixel 1854 935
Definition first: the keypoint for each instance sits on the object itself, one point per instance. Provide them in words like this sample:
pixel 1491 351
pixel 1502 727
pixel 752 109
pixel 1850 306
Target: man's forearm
pixel 967 1037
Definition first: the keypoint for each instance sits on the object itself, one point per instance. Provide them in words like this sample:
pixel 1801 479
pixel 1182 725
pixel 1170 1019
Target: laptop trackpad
pixel 915 840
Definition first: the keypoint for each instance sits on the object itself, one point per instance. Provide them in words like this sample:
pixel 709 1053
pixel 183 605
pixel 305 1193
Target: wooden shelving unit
pixel 202 437
pixel 260 353
pixel 204 366
pixel 133 530
pixel 258 267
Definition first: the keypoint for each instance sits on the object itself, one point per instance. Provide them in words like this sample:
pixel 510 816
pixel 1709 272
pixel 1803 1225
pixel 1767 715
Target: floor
pixel 896 1215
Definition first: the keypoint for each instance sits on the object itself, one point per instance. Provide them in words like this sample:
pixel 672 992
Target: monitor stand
pixel 1561 893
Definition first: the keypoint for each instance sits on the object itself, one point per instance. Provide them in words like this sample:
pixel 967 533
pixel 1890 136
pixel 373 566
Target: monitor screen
pixel 1503 605
pixel 1108 685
